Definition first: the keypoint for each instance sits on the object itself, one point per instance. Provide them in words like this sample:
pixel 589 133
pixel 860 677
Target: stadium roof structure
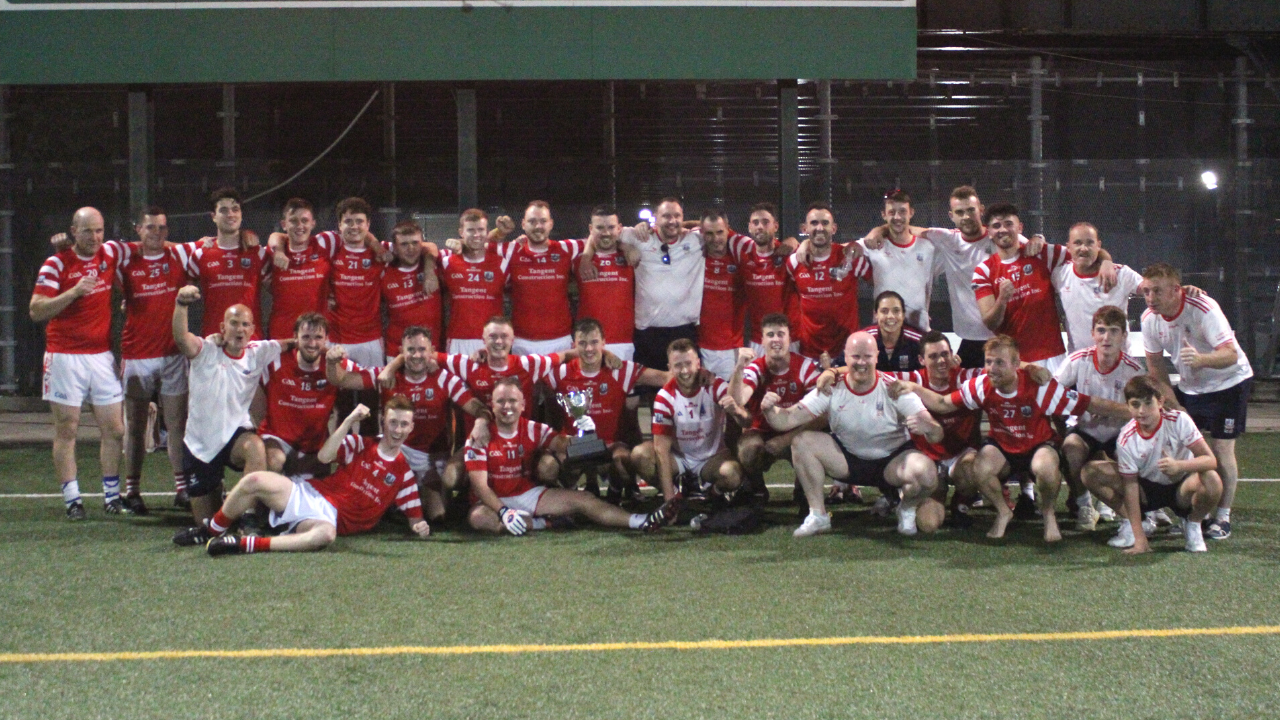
pixel 149 41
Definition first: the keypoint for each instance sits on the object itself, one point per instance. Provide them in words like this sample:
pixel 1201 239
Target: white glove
pixel 585 424
pixel 514 521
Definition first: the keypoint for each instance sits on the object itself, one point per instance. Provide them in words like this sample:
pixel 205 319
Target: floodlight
pixel 1210 179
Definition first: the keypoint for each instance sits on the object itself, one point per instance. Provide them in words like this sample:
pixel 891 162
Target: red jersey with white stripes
pixel 723 305
pixel 299 401
pixel 540 287
pixel 408 305
pixel 959 428
pixel 610 297
pixel 226 277
pixel 768 289
pixel 301 288
pixel 150 284
pixel 800 377
pixel 365 485
pixel 355 280
pixel 1020 422
pixel 430 397
pixel 509 459
pixel 609 390
pixel 695 422
pixel 475 291
pixel 84 326
pixel 1031 317
pixel 481 377
pixel 828 297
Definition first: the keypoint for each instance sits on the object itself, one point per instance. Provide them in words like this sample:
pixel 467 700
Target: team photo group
pixel 501 381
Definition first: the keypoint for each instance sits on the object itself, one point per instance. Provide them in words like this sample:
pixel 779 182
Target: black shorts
pixel 651 343
pixel 206 477
pixel 971 354
pixel 1221 414
pixel 870 473
pixel 1159 495
pixel 1096 445
pixel 1020 463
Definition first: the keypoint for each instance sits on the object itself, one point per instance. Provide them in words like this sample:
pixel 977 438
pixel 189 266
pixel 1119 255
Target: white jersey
pixel 1199 321
pixel 958 258
pixel 668 283
pixel 908 270
pixel 1139 454
pixel 696 424
pixel 1081 373
pixel 1081 296
pixel 222 387
pixel 870 425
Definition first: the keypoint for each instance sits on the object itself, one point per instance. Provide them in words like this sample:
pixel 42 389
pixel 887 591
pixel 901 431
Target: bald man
pixel 225 370
pixel 73 295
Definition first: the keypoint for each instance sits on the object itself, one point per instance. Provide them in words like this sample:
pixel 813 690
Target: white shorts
pixel 689 465
pixel 624 351
pixel 305 503
pixel 167 374
pixel 279 441
pixel 72 379
pixel 459 346
pixel 541 347
pixel 1052 364
pixel 759 349
pixel 526 501
pixel 945 467
pixel 366 354
pixel 720 362
pixel 421 463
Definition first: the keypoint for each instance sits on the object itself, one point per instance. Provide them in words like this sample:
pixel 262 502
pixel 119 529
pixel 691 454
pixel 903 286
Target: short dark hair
pixel 152 210
pixel 295 204
pixel 897 195
pixel 1141 387
pixel 224 193
pixel 934 336
pixel 818 205
pixel 775 320
pixel 415 331
pixel 1111 316
pixel 472 215
pixel 405 228
pixel 543 204
pixel 672 199
pixel 964 192
pixel 680 345
pixel 508 381
pixel 712 215
pixel 1000 210
pixel 764 207
pixel 889 294
pixel 586 325
pixel 310 319
pixel 353 205
pixel 498 320
pixel 603 211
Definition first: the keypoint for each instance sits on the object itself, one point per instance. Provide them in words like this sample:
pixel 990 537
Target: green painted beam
pixel 134 42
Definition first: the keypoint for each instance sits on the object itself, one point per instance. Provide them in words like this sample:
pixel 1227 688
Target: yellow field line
pixel 611 647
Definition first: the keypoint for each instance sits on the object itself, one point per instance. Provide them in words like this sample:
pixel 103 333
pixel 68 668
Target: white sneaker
pixel 1148 526
pixel 881 507
pixel 1195 537
pixel 812 525
pixel 1086 518
pixel 1161 517
pixel 906 521
pixel 1105 513
pixel 1123 537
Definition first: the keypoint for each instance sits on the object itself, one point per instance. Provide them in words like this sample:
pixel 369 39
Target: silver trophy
pixel 585 445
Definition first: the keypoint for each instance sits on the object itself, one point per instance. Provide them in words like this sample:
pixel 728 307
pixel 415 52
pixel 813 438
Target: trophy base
pixel 586 447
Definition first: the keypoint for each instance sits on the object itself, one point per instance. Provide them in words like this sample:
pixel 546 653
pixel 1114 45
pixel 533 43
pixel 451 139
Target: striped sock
pixel 71 492
pixel 219 523
pixel 179 482
pixel 110 488
pixel 132 485
pixel 252 544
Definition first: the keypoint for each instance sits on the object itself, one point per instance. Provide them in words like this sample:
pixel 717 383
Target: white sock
pixel 538 524
pixel 1223 515
pixel 1029 489
pixel 636 521
pixel 71 492
pixel 1149 515
pixel 110 488
pixel 1085 500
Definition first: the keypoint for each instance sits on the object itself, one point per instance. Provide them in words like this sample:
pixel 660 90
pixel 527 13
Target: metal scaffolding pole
pixel 391 213
pixel 1242 318
pixel 468 161
pixel 8 337
pixel 611 141
pixel 228 115
pixel 789 156
pixel 826 159
pixel 139 154
pixel 1037 119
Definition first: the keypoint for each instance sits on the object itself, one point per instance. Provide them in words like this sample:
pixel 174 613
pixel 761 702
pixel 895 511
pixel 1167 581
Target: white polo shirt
pixel 667 294
pixel 1140 455
pixel 1081 296
pixel 222 388
pixel 1200 322
pixel 908 270
pixel 870 425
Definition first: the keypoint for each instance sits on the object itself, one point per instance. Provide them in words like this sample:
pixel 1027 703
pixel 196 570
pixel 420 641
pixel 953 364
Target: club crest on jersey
pixel 321 384
pixel 1025 410
pixel 365 263
pixel 431 393
pixel 620 260
pixel 488 276
pixel 919 257
pixel 791 386
pixel 244 262
pixel 555 257
pixel 904 361
pixel 733 269
pixel 103 265
pixel 164 268
pixel 1026 269
pixel 604 388
pixel 879 407
pixel 389 480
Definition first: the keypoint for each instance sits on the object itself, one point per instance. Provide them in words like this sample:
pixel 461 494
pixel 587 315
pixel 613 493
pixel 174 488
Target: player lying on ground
pixel 500 464
pixel 1162 460
pixel 373 474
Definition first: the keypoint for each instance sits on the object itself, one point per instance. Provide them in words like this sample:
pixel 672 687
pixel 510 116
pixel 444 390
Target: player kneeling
pixel 1161 461
pixel 373 474
pixel 499 465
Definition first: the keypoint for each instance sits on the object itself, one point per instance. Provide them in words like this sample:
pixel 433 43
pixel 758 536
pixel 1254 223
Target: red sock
pixel 131 485
pixel 253 544
pixel 179 482
pixel 220 522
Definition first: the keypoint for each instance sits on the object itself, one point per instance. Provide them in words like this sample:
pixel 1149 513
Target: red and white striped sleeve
pixel 407 499
pixel 751 376
pixel 454 388
pixel 719 388
pixel 1054 399
pixel 808 374
pixel 739 246
pixel 982 284
pixel 368 375
pixel 1055 256
pixel 573 248
pixel 540 434
pixel 540 367
pixel 664 413
pixel 972 393
pixel 627 375
pixel 457 363
pixel 329 242
pixel 861 266
pixel 352 445
pixel 189 254
pixel 49 279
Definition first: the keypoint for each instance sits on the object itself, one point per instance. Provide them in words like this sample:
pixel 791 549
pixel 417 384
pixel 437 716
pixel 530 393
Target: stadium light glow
pixel 1210 179
pixel 646 215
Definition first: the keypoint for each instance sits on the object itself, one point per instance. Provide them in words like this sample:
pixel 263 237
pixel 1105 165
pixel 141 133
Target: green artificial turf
pixel 118 584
